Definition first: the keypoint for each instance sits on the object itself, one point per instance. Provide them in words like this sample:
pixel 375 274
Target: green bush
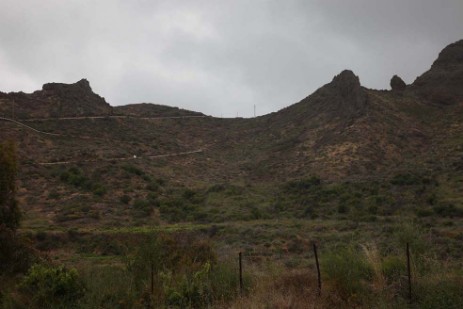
pixel 99 190
pixel 440 293
pixel 302 185
pixel 348 270
pixel 405 180
pixel 75 177
pixel 108 288
pixel 393 268
pixel 448 210
pixel 125 199
pixel 52 287
pixel 143 207
pixel 10 214
pixel 133 170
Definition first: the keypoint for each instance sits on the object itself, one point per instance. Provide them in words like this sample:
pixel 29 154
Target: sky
pixel 219 57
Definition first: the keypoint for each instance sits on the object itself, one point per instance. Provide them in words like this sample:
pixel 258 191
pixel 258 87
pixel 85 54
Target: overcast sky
pixel 219 57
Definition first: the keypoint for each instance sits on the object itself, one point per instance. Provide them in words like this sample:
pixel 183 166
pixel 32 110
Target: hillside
pixel 154 205
pixel 341 132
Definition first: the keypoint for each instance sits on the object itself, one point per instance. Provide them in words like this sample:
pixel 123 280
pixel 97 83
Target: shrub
pixel 152 186
pixel 303 184
pixel 99 190
pixel 405 180
pixel 343 208
pixel 107 288
pixel 143 207
pixel 216 188
pixel 393 268
pixel 133 170
pixel 52 287
pixel 448 210
pixel 347 269
pixel 10 214
pixel 125 199
pixel 440 293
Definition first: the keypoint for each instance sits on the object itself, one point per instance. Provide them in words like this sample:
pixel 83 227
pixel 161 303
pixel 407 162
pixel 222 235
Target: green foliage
pixel 133 170
pixel 180 268
pixel 183 206
pixel 348 270
pixel 440 293
pixel 408 180
pixel 303 184
pixel 125 199
pixel 108 287
pixel 412 234
pixel 98 190
pixel 393 267
pixel 15 256
pixel 75 177
pixel 52 287
pixel 191 291
pixel 144 208
pixel 448 210
pixel 10 214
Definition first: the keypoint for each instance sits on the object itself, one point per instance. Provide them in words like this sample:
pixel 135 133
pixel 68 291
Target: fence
pixel 319 278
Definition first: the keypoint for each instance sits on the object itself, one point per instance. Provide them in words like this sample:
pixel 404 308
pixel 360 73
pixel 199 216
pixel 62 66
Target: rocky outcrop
pixel 345 93
pixel 73 99
pixel 443 83
pixel 343 98
pixel 55 100
pixel 397 84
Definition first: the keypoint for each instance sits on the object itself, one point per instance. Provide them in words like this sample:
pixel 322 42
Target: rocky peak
pixel 72 99
pixel 81 86
pixel 450 55
pixel 443 83
pixel 343 97
pixel 346 83
pixel 397 83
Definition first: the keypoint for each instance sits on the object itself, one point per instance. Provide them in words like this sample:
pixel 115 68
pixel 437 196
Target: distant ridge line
pixel 109 116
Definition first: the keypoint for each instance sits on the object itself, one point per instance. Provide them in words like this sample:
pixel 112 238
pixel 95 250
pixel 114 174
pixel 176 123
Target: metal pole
pixel 409 274
pixel 241 274
pixel 318 269
pixel 152 278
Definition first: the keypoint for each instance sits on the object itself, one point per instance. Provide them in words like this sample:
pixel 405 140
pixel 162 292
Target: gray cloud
pixel 219 57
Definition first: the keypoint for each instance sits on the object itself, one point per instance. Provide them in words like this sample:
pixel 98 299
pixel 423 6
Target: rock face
pixel 346 83
pixel 397 84
pixel 55 100
pixel 342 98
pixel 346 92
pixel 74 99
pixel 443 83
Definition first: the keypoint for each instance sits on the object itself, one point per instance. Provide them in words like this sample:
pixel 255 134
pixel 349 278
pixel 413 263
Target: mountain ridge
pixel 343 132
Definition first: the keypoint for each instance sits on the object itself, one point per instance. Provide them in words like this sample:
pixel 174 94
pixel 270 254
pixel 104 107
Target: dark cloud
pixel 219 57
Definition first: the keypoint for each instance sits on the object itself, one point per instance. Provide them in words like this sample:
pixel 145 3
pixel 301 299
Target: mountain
pixel 342 132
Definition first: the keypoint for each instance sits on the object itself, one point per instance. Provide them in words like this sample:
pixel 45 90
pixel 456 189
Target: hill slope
pixel 342 132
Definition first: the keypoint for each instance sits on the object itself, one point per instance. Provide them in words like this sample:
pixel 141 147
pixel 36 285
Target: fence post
pixel 409 274
pixel 241 274
pixel 152 278
pixel 318 270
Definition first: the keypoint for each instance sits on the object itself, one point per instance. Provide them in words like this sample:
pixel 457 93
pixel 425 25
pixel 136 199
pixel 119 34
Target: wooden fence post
pixel 409 273
pixel 318 269
pixel 241 274
pixel 152 278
